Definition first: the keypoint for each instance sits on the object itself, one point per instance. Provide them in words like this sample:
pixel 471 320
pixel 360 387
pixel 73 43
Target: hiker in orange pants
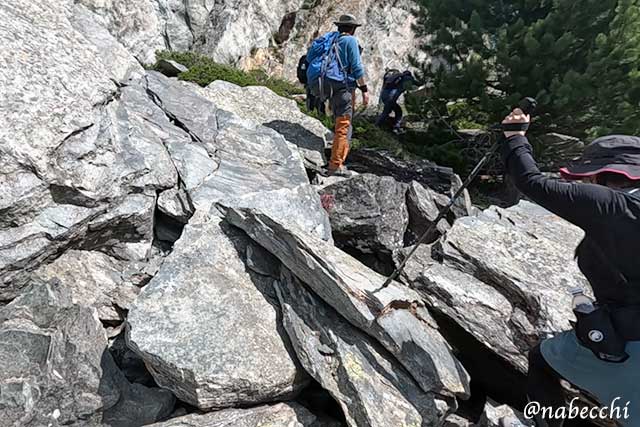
pixel 340 92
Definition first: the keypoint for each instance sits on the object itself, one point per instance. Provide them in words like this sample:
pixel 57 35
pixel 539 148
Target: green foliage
pixel 367 135
pixel 203 71
pixel 327 121
pixel 580 59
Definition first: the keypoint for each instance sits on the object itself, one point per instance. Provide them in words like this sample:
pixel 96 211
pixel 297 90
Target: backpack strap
pixel 340 64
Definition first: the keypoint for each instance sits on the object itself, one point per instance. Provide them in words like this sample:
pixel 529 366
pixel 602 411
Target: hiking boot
pixel 341 171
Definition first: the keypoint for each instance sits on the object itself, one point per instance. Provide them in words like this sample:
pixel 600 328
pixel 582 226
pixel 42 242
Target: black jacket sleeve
pixel 588 206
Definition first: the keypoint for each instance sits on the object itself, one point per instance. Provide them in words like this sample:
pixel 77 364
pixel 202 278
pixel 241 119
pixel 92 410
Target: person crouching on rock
pixel 601 355
pixel 340 92
pixel 395 83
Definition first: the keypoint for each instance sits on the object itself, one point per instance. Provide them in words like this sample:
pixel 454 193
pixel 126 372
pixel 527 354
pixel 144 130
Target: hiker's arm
pixel 357 69
pixel 354 60
pixel 585 205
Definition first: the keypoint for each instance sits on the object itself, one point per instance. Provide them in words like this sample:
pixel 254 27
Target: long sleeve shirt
pixel 350 57
pixel 609 256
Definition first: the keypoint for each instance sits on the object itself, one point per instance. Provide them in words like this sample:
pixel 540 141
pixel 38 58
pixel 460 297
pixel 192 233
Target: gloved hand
pixel 517 116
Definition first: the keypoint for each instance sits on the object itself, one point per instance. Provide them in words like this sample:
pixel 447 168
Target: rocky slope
pixel 259 34
pixel 164 257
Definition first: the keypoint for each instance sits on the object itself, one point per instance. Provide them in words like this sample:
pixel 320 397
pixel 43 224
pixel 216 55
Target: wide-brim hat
pixel 614 153
pixel 348 20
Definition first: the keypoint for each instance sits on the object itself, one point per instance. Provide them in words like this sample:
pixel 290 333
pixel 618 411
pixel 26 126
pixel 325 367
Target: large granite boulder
pixel 275 112
pixel 370 386
pixel 208 327
pixel 368 213
pixel 281 414
pixel 56 369
pixel 394 316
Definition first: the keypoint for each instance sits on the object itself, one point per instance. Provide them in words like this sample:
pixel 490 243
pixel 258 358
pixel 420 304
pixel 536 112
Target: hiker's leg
pixel 342 110
pixel 384 116
pixel 311 100
pixel 543 386
pixel 397 111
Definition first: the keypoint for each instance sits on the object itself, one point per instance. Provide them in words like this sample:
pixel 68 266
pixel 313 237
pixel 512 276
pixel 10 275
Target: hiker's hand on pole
pixel 517 116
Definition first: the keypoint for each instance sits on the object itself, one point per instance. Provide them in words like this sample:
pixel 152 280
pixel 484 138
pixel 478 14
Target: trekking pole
pixel 527 105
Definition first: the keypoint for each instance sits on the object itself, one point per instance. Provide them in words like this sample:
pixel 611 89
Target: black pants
pixel 543 385
pixel 390 100
pixel 314 103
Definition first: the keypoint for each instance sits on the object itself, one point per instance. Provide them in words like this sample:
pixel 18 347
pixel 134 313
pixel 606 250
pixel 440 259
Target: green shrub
pixel 203 71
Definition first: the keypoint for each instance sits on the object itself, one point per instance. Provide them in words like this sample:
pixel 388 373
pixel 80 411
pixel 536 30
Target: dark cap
pixel 348 20
pixel 614 153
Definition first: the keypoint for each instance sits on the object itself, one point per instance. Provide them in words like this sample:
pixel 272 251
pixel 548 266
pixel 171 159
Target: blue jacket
pixel 349 52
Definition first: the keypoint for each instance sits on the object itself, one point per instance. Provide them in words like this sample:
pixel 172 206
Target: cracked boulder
pixel 394 316
pixel 276 112
pixel 368 383
pixel 503 277
pixel 24 248
pixel 208 327
pixel 253 159
pixel 57 369
pixel 281 414
pixel 368 213
pixel 94 280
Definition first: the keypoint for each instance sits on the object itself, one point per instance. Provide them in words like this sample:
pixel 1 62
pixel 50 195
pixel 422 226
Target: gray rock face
pixel 144 26
pixel 282 414
pixel 194 113
pixel 56 370
pixel 259 34
pixel 121 64
pixel 368 213
pixel 208 328
pixel 275 112
pixel 23 248
pixel 94 280
pixel 394 316
pixel 253 159
pixel 371 387
pixel 503 277
pixel 237 27
pixel 423 205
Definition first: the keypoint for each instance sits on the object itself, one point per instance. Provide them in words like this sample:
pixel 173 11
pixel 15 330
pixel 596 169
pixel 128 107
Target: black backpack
pixel 392 79
pixel 302 69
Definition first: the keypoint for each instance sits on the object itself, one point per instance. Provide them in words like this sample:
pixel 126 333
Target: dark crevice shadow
pixel 298 135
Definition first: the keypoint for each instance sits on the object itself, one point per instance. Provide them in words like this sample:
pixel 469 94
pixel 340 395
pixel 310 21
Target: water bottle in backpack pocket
pixel 324 63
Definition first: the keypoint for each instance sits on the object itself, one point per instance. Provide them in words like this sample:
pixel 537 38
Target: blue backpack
pixel 324 62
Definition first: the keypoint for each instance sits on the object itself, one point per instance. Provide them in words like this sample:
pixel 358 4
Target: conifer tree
pixel 581 59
